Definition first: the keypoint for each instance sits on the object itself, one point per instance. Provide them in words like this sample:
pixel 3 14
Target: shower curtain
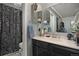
pixel 10 29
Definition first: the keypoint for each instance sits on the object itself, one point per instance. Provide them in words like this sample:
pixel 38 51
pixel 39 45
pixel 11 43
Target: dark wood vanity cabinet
pixel 41 48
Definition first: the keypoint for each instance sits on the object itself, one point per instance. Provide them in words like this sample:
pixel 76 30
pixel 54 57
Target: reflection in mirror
pixel 63 15
pixel 62 28
pixel 56 18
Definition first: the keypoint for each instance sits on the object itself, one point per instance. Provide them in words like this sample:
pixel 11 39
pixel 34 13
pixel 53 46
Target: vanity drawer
pixel 40 43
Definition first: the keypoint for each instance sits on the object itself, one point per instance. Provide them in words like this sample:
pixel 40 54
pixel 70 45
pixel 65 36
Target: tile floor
pixel 17 53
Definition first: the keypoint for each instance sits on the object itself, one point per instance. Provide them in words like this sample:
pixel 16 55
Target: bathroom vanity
pixel 54 46
pixel 51 22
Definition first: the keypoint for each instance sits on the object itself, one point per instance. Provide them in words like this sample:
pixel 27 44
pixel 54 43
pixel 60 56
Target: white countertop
pixel 63 41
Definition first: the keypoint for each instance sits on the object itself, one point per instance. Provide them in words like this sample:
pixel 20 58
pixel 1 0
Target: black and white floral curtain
pixel 10 29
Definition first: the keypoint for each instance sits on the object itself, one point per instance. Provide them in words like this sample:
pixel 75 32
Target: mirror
pixel 58 18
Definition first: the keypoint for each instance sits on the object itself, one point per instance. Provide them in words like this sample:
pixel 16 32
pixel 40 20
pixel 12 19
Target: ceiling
pixel 67 9
pixel 46 5
pixel 63 9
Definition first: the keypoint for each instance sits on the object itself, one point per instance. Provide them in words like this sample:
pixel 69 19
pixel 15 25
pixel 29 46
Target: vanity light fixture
pixel 36 7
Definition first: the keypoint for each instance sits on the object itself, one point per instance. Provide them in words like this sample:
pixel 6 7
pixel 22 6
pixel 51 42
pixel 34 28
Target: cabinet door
pixel 34 47
pixel 40 48
pixel 56 50
pixel 35 52
pixel 42 52
pixel 42 44
pixel 50 50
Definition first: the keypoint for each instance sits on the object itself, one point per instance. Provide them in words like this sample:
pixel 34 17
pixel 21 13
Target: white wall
pixel 67 21
pixel 26 19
